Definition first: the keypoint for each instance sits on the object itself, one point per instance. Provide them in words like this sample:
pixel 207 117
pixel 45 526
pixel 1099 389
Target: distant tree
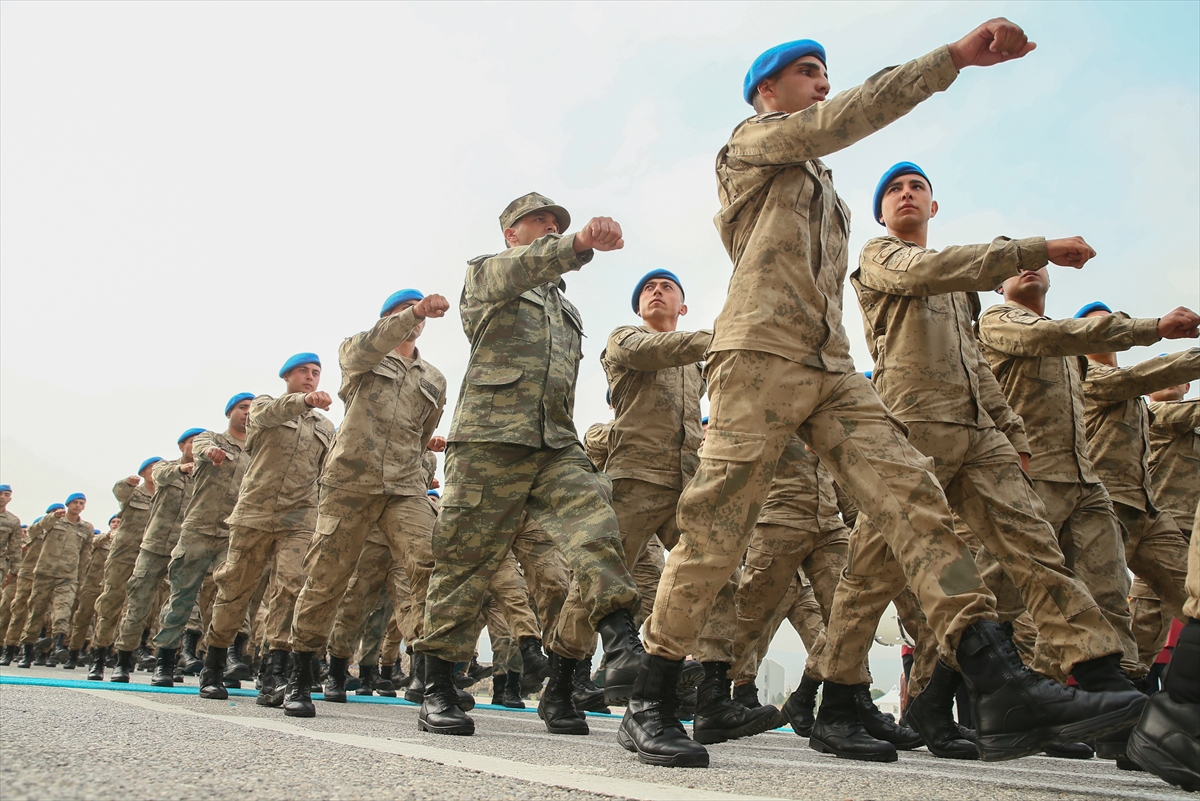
pixel 877 693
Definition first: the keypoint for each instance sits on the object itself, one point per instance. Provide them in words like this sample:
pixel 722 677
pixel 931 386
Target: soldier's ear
pixel 933 207
pixel 510 237
pixel 683 310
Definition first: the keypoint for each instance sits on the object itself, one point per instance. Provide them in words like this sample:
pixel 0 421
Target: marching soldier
pixel 66 543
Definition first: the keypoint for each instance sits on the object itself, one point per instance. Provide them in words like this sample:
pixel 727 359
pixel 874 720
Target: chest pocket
pixel 1050 370
pixel 324 435
pixel 804 187
pixel 575 325
pixel 139 502
pixel 529 324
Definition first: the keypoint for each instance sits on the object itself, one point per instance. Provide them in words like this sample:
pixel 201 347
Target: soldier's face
pixel 797 86
pixel 303 378
pixel 416 332
pixel 1027 284
pixel 75 508
pixel 115 523
pixel 237 417
pixel 531 228
pixel 661 299
pixel 186 450
pixel 5 497
pixel 908 202
pixel 1176 393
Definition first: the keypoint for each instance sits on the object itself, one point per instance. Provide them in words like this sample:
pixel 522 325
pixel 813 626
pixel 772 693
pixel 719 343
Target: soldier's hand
pixel 215 455
pixel 437 444
pixel 431 306
pixel 319 400
pixel 992 42
pixel 599 233
pixel 187 468
pixel 133 481
pixel 60 512
pixel 1069 252
pixel 1182 323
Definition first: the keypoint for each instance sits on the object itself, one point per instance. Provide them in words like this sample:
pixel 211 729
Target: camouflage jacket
pixel 428 470
pixel 1175 458
pixel 919 308
pixel 91 573
pixel 784 226
pixel 172 494
pixel 287 442
pixel 216 487
pixel 526 343
pixel 65 546
pixel 802 493
pixel 31 553
pixel 1037 362
pixel 393 406
pixel 656 382
pixel 10 543
pixel 596 443
pixel 135 514
pixel 1118 423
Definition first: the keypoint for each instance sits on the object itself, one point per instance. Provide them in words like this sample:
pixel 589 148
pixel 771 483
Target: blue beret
pixel 53 507
pixel 186 435
pixel 868 373
pixel 76 496
pixel 1095 305
pixel 608 396
pixel 5 488
pixel 114 517
pixel 775 59
pixel 650 276
pixel 39 517
pixel 895 171
pixel 95 531
pixel 704 420
pixel 434 493
pixel 396 298
pixel 149 462
pixel 236 399
pixel 297 360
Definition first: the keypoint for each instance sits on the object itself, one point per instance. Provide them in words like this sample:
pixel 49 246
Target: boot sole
pixel 1002 747
pixel 1149 757
pixel 214 695
pixel 334 699
pixel 677 761
pixel 95 678
pixel 617 695
pixel 162 683
pixel 300 713
pixel 125 680
pixel 269 700
pixel 414 698
pixel 942 754
pixel 573 729
pixel 461 730
pixel 714 736
pixel 822 748
pixel 242 673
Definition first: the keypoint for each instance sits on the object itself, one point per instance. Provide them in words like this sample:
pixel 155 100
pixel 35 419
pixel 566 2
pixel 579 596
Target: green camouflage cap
pixel 527 204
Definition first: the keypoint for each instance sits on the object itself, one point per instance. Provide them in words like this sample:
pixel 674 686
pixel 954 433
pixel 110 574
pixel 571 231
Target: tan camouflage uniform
pixel 90 582
pixel 780 365
pixel 596 442
pixel 18 607
pixel 513 448
pixel 800 608
pixel 12 538
pixel 1118 425
pixel 546 575
pixel 122 557
pixel 66 547
pixel 204 536
pixel 275 515
pixel 374 475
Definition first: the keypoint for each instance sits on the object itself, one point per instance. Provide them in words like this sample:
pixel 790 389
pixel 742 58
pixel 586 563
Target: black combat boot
pixel 651 726
pixel 354 682
pixel 535 667
pixel 476 671
pixel 931 715
pixel 366 684
pixel 838 731
pixel 587 696
pixel 1104 675
pixel 124 667
pixel 396 675
pixel 212 677
pixel 27 656
pixel 415 693
pixel 688 702
pixel 1166 741
pixel 556 708
pixel 7 654
pixel 72 659
pixel 320 672
pixel 372 679
pixel 40 657
pixel 511 696
pixel 297 698
pixel 879 727
pixel 499 682
pixel 164 668
pixel 623 655
pixel 440 712
pixel 236 669
pixel 1070 750
pixel 799 708
pixel 274 681
pixel 96 671
pixel 1018 712
pixel 335 684
pixel 189 663
pixel 719 718
pixel 142 656
pixel 747 695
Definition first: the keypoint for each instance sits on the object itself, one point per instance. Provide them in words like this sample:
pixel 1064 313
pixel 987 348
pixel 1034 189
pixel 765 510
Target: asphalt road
pixel 84 742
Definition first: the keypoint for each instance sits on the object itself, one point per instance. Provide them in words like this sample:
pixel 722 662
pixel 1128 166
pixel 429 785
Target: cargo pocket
pixel 722 493
pixel 455 539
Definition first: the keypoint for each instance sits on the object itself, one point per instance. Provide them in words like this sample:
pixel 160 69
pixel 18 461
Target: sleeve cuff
pixel 938 69
pixel 566 252
pixel 1032 254
pixel 1145 331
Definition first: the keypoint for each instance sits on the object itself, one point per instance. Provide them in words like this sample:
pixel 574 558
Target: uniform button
pixel 942 84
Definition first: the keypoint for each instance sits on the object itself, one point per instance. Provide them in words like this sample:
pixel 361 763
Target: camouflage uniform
pixel 799 607
pixel 1192 607
pixel 511 594
pixel 513 448
pixel 780 365
pixel 273 521
pixel 596 442
pixel 375 474
pixel 21 586
pixel 798 527
pixel 204 537
pixel 1117 424
pixel 506 655
pixel 1037 362
pixel 66 547
pixel 122 556
pixel 12 538
pixel 172 494
pixel 547 577
pixel 90 581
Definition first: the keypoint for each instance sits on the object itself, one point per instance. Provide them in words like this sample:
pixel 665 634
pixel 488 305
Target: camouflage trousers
pixel 799 607
pixel 773 557
pixel 6 601
pixel 372 632
pixel 985 485
pixel 645 510
pixel 547 578
pixel 83 613
pixel 377 576
pixel 140 596
pixel 251 551
pixel 404 624
pixel 506 655
pixel 49 596
pixel 510 593
pixel 758 400
pixel 344 521
pixel 18 608
pixel 1192 608
pixel 1087 532
pixel 193 557
pixel 489 486
pixel 647 572
pixel 112 600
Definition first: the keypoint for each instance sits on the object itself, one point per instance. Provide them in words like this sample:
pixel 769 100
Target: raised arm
pixel 363 352
pixel 1168 370
pixel 646 351
pixel 891 265
pixel 1021 332
pixel 517 270
pixel 268 412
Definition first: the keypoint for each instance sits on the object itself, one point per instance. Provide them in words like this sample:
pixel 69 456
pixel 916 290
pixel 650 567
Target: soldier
pixel 780 364
pixel 513 449
pixel 220 465
pixel 287 440
pixel 66 544
pixel 373 477
pixel 22 584
pixel 12 537
pixel 135 494
pixel 172 483
pixel 90 582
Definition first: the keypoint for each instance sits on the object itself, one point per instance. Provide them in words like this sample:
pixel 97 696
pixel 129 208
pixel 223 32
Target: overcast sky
pixel 192 192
